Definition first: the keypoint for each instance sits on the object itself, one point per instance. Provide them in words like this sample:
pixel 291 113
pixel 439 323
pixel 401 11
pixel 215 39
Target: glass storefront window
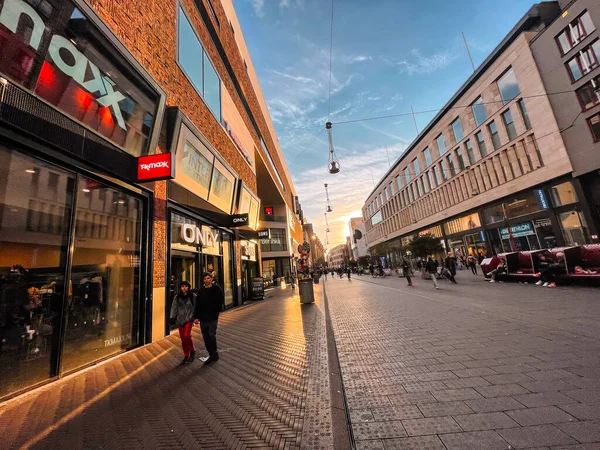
pixel 35 208
pixel 493 214
pixel 464 223
pixel 523 206
pixel 105 275
pixel 277 242
pixel 574 227
pixel 227 269
pixel 563 194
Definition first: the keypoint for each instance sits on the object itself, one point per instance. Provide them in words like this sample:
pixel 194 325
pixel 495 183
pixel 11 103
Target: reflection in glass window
pixel 525 114
pixel 399 182
pixel 509 124
pixel 493 214
pixel 460 159
pixel 479 113
pixel 508 86
pixel 427 155
pixel 376 218
pixel 212 88
pixel 527 204
pixel 417 167
pixel 563 194
pixel 481 144
pixel 392 189
pixel 406 175
pixel 451 165
pixel 574 227
pixel 470 152
pixel 276 243
pixel 457 130
pixel 594 123
pixel 495 136
pixel 588 94
pixel 440 144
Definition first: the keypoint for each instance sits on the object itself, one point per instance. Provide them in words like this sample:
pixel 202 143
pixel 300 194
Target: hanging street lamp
pixel 334 164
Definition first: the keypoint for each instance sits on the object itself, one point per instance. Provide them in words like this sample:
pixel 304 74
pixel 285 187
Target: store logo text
pixel 156 165
pixel 194 235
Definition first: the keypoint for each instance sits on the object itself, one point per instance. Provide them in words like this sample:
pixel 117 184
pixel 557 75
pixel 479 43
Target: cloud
pixel 356 59
pixel 418 64
pixel 258 6
pixel 297 78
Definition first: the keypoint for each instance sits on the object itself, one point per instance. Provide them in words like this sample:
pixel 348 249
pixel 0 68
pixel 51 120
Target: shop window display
pixel 574 227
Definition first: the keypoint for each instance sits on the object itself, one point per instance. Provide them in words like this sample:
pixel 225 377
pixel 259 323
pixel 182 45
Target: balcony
pixel 268 218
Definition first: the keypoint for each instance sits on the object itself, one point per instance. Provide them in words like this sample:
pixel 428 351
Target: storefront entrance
pixel 70 279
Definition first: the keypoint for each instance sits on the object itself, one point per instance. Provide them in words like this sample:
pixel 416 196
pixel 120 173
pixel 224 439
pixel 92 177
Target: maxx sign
pixel 66 57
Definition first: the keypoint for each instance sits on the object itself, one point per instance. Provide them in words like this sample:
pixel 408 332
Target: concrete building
pixel 490 172
pixel 567 54
pixel 317 250
pixel 338 255
pixel 358 237
pixel 97 223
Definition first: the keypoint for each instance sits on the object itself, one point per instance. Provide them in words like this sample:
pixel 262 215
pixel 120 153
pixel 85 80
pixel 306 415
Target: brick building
pixel 490 173
pixel 96 237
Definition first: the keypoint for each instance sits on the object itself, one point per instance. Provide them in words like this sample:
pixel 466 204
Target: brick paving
pixel 472 366
pixel 269 390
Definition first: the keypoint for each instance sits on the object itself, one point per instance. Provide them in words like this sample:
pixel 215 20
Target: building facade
pixel 572 43
pixel 338 256
pixel 317 250
pixel 358 237
pixel 92 252
pixel 490 173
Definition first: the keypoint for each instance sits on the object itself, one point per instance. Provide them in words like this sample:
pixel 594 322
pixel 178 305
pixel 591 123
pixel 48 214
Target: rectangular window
pixel 438 175
pixel 430 179
pixel 385 194
pixel 479 113
pixel 417 167
pixel 406 175
pixel 197 66
pixel 460 160
pixel 440 144
pixel 563 194
pixel 574 69
pixel 585 61
pixel 443 171
pixel 577 30
pixel 392 189
pixel 509 124
pixel 419 192
pixel 508 86
pixel 495 136
pixel 457 129
pixel 399 182
pixel 427 155
pixel 525 114
pixel 425 185
pixel 594 123
pixel 451 165
pixel 481 144
pixel 470 153
pixel 589 94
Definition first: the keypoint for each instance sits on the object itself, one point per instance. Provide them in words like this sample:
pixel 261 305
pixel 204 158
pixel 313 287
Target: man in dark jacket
pixel 432 267
pixel 209 305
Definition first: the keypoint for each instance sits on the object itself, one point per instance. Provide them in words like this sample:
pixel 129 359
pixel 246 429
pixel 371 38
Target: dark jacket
pixel 210 303
pixel 431 266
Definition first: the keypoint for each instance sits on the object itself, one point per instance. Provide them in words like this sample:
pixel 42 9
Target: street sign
pixel 237 220
pixel 264 234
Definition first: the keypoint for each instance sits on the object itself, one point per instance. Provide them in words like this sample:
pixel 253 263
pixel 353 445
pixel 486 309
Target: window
pixel 438 176
pixel 430 179
pixel 385 194
pixel 376 218
pixel 495 137
pixel 443 171
pixel 399 182
pixel 416 166
pixel 392 189
pixel 589 94
pixel 451 165
pixel 276 243
pixel 460 160
pixel 457 130
pixel 470 153
pixel 419 192
pixel 577 30
pixel 563 194
pixel 585 61
pixel 481 144
pixel 197 66
pixel 425 184
pixel 440 144
pixel 508 86
pixel 594 123
pixel 525 114
pixel 406 175
pixel 427 156
pixel 509 124
pixel 479 113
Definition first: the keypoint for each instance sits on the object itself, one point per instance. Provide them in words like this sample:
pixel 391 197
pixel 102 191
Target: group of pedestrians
pixel 198 308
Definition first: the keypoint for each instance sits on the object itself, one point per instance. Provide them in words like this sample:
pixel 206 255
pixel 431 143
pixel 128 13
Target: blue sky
pixel 388 55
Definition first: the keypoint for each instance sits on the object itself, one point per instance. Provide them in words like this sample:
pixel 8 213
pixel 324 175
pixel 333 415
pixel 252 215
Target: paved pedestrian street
pixel 470 366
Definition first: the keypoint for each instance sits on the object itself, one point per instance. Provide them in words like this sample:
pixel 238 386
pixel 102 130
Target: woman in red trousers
pixel 182 315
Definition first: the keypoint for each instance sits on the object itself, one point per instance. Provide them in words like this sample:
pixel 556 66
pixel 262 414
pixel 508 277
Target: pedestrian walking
pixel 448 271
pixel 182 315
pixel 431 267
pixel 472 264
pixel 208 307
pixel 407 270
pixel 293 280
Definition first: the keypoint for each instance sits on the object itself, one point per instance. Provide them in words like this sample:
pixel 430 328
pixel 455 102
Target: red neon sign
pixel 268 210
pixel 160 166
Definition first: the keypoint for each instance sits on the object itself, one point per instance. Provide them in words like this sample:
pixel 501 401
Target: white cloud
pixel 284 3
pixel 418 64
pixel 297 78
pixel 356 59
pixel 258 6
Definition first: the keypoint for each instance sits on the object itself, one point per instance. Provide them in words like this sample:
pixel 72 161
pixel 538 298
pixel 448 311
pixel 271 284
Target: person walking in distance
pixel 208 307
pixel 472 264
pixel 182 315
pixel 407 270
pixel 431 267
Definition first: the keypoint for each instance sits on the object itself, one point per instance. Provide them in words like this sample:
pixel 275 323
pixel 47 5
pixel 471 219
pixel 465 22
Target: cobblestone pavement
pixel 270 389
pixel 472 366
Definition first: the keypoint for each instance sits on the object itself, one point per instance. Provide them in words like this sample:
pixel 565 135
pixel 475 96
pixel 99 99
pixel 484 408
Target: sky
pixel 388 56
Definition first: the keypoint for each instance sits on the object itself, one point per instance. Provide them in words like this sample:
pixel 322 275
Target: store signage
pixel 82 84
pixel 237 220
pixel 248 250
pixel 522 229
pixel 264 234
pixel 269 211
pixel 257 289
pixel 160 166
pixel 542 223
pixel 194 235
pixel 123 339
pixel 541 198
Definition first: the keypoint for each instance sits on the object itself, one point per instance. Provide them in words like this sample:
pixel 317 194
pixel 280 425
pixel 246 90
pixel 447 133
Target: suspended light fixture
pixel 327 231
pixel 329 209
pixel 334 164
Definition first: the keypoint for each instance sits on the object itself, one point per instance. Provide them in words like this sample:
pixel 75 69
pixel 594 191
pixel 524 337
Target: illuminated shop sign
pixel 55 51
pixel 160 166
pixel 194 235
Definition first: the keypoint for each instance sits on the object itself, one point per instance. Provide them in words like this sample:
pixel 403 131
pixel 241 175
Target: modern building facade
pixel 358 237
pixel 317 250
pixel 338 256
pixel 490 173
pixel 567 54
pixel 91 252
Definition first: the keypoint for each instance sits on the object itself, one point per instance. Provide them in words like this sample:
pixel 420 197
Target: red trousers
pixel 185 333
